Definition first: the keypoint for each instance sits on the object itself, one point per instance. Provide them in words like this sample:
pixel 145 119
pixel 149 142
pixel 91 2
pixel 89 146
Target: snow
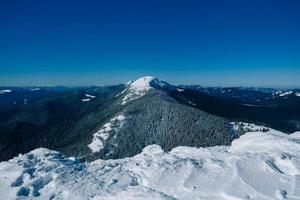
pixel 90 96
pixel 142 83
pixel 180 89
pixel 285 93
pixel 297 94
pixel 34 89
pixel 248 127
pixel 258 165
pixel 103 133
pixel 193 104
pixel 252 105
pixel 137 88
pixel 121 93
pixel 5 91
pixel 85 100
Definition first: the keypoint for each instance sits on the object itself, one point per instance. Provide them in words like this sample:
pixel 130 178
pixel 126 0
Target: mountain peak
pixel 146 83
pixel 139 87
pixel 143 83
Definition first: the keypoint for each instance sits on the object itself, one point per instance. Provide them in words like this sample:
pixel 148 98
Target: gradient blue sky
pixel 215 42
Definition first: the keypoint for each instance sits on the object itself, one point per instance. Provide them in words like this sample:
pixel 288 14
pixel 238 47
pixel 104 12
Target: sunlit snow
pixel 34 89
pixel 85 100
pixel 248 127
pixel 285 93
pixel 258 165
pixel 137 89
pixel 5 91
pixel 90 96
pixel 103 133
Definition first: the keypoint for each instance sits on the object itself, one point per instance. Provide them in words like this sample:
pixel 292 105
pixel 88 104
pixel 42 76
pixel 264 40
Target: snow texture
pixel 34 89
pixel 5 91
pixel 258 165
pixel 285 93
pixel 88 98
pixel 102 135
pixel 140 87
pixel 248 127
pixel 137 88
pixel 85 100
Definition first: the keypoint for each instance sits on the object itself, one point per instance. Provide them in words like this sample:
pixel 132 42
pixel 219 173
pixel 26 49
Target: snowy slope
pixel 249 127
pixel 88 98
pixel 259 165
pixel 139 88
pixel 285 94
pixel 103 134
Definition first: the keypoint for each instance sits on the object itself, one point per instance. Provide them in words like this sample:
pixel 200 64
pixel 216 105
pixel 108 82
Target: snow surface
pixel 142 83
pixel 285 93
pixel 5 91
pixel 90 96
pixel 85 100
pixel 102 135
pixel 249 127
pixel 193 104
pixel 252 105
pixel 297 94
pixel 34 89
pixel 137 88
pixel 258 165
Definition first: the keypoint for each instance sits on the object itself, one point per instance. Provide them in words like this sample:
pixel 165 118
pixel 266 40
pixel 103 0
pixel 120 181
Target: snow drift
pixel 258 165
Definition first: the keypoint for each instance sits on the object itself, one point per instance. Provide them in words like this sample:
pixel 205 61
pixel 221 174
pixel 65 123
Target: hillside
pixel 119 121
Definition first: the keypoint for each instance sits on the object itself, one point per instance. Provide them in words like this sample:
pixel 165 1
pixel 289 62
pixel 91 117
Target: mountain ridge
pixel 154 112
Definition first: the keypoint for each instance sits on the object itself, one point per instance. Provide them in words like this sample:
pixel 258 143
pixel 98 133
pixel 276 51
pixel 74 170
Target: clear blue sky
pixel 212 42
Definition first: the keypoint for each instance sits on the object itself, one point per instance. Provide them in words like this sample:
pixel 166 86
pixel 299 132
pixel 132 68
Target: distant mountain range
pixel 252 96
pixel 119 121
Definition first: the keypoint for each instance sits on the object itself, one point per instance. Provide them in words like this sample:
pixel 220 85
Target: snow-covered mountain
pixel 286 94
pixel 252 96
pixel 139 88
pixel 105 122
pixel 148 139
pixel 257 166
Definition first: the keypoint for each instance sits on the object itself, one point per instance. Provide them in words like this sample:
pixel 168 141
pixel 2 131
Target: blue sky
pixel 216 42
